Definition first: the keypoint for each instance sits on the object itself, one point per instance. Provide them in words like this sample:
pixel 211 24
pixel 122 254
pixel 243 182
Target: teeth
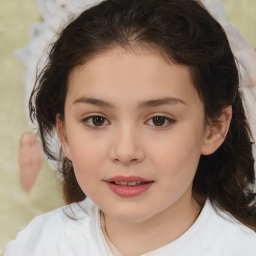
pixel 129 183
pixel 132 183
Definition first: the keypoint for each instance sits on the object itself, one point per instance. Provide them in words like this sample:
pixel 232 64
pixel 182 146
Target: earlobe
pixel 60 128
pixel 216 132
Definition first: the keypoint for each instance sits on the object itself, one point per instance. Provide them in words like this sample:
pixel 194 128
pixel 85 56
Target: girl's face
pixel 134 129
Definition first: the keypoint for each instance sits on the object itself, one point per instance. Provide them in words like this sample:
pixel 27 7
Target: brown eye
pixel 159 120
pixel 98 120
pixel 95 121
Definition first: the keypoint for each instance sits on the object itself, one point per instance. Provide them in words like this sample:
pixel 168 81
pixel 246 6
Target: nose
pixel 127 146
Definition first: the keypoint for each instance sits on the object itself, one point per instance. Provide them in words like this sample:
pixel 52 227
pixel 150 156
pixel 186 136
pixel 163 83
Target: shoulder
pixel 226 235
pixel 57 232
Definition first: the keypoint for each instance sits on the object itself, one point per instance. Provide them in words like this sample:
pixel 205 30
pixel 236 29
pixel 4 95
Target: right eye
pixel 160 121
pixel 96 121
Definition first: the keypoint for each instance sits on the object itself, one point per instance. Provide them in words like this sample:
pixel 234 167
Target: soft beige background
pixel 18 208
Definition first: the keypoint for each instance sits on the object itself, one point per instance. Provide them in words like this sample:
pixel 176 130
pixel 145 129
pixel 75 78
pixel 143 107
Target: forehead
pixel 131 74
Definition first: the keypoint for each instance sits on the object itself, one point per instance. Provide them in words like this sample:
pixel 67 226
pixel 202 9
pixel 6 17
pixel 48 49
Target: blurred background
pixel 17 208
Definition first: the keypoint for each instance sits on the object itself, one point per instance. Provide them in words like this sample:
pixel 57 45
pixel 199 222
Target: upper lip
pixel 127 179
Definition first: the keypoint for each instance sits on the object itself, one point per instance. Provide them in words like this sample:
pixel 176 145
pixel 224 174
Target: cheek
pixel 176 158
pixel 86 147
pixel 87 159
pixel 87 156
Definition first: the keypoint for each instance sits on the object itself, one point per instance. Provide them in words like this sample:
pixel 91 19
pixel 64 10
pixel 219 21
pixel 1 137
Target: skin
pixel 128 143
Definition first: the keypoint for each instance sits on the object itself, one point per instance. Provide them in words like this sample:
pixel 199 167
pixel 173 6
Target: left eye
pixel 96 121
pixel 160 121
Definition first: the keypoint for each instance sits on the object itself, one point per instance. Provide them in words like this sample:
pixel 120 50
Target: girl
pixel 157 157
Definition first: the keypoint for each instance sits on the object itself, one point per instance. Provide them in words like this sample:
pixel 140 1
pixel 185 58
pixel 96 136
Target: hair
pixel 185 32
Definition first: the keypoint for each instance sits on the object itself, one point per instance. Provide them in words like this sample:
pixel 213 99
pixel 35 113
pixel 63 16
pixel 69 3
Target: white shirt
pixel 75 230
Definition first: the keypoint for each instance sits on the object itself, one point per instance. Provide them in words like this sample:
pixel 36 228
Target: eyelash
pixel 167 121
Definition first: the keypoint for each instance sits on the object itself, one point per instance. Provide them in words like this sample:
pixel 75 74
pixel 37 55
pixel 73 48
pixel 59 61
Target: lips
pixel 129 183
pixel 128 186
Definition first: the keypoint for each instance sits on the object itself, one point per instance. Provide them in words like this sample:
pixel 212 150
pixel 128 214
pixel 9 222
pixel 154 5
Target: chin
pixel 128 215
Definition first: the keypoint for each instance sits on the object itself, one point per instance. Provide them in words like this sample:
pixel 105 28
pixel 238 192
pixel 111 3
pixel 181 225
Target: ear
pixel 216 132
pixel 60 128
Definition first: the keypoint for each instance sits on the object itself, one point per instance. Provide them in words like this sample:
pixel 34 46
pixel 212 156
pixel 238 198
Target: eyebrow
pixel 160 102
pixel 142 104
pixel 93 101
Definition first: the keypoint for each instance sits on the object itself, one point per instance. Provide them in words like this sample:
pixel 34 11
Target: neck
pixel 136 238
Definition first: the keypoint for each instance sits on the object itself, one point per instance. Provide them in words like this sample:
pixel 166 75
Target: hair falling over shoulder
pixel 184 32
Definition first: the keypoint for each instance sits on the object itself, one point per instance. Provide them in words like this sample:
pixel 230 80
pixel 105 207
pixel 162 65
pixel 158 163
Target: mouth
pixel 128 186
pixel 129 183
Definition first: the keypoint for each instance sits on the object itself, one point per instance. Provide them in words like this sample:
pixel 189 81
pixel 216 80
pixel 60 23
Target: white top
pixel 80 234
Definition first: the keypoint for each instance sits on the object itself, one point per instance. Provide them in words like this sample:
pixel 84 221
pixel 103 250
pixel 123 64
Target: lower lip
pixel 126 191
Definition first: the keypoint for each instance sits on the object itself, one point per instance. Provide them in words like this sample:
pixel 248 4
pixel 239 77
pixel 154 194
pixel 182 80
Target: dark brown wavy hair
pixel 187 34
